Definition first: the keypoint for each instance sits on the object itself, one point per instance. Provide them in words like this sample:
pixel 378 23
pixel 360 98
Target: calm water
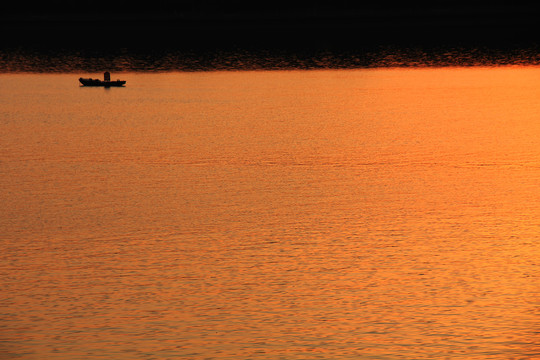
pixel 346 214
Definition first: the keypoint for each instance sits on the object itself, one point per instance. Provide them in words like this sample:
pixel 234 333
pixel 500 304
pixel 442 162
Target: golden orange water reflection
pixel 333 214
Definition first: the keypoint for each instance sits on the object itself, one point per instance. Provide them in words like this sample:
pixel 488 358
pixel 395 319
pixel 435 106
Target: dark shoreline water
pixel 204 40
pixel 128 60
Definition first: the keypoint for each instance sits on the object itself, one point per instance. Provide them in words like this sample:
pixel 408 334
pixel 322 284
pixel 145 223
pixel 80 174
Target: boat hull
pixel 97 82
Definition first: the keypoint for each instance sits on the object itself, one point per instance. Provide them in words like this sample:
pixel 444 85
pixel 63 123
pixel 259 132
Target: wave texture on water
pixel 125 60
pixel 352 214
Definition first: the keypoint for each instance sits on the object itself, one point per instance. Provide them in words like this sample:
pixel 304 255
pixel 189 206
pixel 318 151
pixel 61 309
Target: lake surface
pixel 163 59
pixel 329 214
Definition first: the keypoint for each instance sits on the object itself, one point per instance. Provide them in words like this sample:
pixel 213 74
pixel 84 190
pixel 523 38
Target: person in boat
pixel 106 81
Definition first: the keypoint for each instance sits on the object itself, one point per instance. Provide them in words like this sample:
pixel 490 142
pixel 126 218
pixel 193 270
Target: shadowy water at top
pixel 188 36
pixel 69 60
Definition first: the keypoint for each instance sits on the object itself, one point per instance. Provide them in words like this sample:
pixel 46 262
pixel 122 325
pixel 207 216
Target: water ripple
pixel 72 60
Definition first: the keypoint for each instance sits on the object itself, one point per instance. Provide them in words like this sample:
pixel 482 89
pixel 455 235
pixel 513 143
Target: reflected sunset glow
pixel 343 214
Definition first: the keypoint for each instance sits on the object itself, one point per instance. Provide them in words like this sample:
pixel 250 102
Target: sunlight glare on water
pixel 345 214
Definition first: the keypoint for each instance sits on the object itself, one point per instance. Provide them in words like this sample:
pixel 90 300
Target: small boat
pixel 106 82
pixel 97 82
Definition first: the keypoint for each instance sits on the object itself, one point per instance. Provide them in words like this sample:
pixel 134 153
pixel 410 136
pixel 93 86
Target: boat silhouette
pixel 106 82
